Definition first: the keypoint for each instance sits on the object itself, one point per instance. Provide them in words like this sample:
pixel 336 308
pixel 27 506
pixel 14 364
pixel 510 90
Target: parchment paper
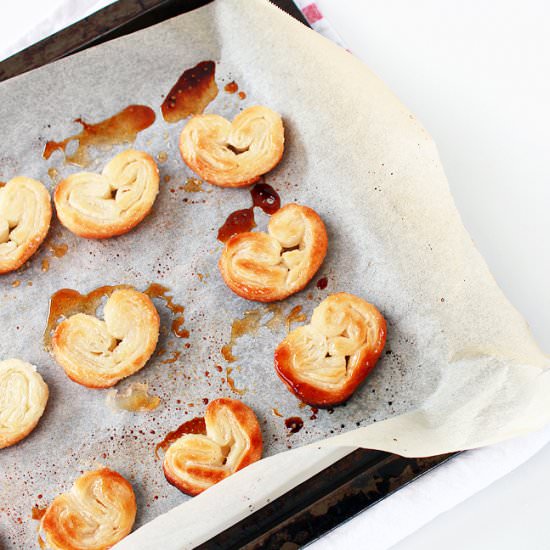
pixel 461 368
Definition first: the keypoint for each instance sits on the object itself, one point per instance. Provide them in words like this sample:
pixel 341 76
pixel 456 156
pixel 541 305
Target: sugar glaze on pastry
pixel 271 266
pixel 233 154
pixel 97 512
pixel 99 206
pixel 25 215
pixel 233 440
pixel 23 398
pixel 98 353
pixel 323 363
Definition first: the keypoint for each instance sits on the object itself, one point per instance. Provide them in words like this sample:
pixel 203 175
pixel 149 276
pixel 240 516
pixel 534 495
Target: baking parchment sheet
pixel 460 369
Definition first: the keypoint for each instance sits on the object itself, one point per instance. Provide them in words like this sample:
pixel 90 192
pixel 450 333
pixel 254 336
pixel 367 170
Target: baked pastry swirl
pixel 25 215
pixel 233 154
pixel 97 512
pixel 99 206
pixel 271 266
pixel 323 363
pixel 98 353
pixel 23 398
pixel 233 440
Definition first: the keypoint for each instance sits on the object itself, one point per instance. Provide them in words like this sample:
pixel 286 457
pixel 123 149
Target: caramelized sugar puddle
pixel 120 128
pixel 241 221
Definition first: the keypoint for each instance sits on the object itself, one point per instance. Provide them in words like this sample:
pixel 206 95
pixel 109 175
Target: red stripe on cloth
pixel 312 13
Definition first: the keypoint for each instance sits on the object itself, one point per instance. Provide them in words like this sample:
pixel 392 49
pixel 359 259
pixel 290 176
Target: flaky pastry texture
pixel 233 154
pixel 233 440
pixel 98 353
pixel 25 215
pixel 266 267
pixel 97 512
pixel 23 398
pixel 99 206
pixel 323 363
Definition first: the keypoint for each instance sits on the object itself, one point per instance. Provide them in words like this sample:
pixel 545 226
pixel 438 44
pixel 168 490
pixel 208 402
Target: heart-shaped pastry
pixel 98 512
pixel 233 154
pixel 98 353
pixel 23 398
pixel 25 215
pixel 323 363
pixel 99 206
pixel 233 440
pixel 271 266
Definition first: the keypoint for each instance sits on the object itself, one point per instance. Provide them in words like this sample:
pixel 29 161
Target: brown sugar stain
pixel 162 157
pixel 37 512
pixel 237 222
pixel 193 91
pixel 248 324
pixel 194 426
pixel 16 283
pixel 59 250
pixel 122 127
pixel 231 382
pixel 277 318
pixel 67 302
pixel 54 174
pixel 231 87
pixel 173 358
pixel 241 221
pixel 155 290
pixel 135 398
pixel 45 265
pixel 242 95
pixel 276 412
pixel 266 198
pixel 322 283
pixel 166 178
pixel 295 316
pixel 294 424
pixel 193 185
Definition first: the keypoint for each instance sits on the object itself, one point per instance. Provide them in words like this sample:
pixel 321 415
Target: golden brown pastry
pixel 233 154
pixel 95 514
pixel 233 440
pixel 323 363
pixel 99 206
pixel 98 353
pixel 23 398
pixel 25 215
pixel 271 266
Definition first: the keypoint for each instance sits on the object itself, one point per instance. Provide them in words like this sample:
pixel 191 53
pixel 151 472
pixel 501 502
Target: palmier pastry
pixel 271 266
pixel 98 353
pixel 323 363
pixel 233 154
pixel 99 206
pixel 95 514
pixel 23 398
pixel 233 440
pixel 25 215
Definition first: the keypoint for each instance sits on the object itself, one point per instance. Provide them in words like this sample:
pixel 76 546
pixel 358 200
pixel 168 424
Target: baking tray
pixel 350 485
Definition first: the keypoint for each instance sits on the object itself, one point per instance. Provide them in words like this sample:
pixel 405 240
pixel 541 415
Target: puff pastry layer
pixel 95 514
pixel 23 398
pixel 25 215
pixel 271 266
pixel 98 353
pixel 323 363
pixel 194 463
pixel 99 206
pixel 233 154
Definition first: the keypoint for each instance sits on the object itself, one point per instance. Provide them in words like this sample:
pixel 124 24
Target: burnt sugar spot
pixel 120 128
pixel 294 424
pixel 266 198
pixel 231 87
pixel 193 426
pixel 193 91
pixel 237 222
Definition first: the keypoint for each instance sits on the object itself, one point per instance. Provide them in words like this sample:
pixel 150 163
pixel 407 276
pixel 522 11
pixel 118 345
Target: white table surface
pixel 477 74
